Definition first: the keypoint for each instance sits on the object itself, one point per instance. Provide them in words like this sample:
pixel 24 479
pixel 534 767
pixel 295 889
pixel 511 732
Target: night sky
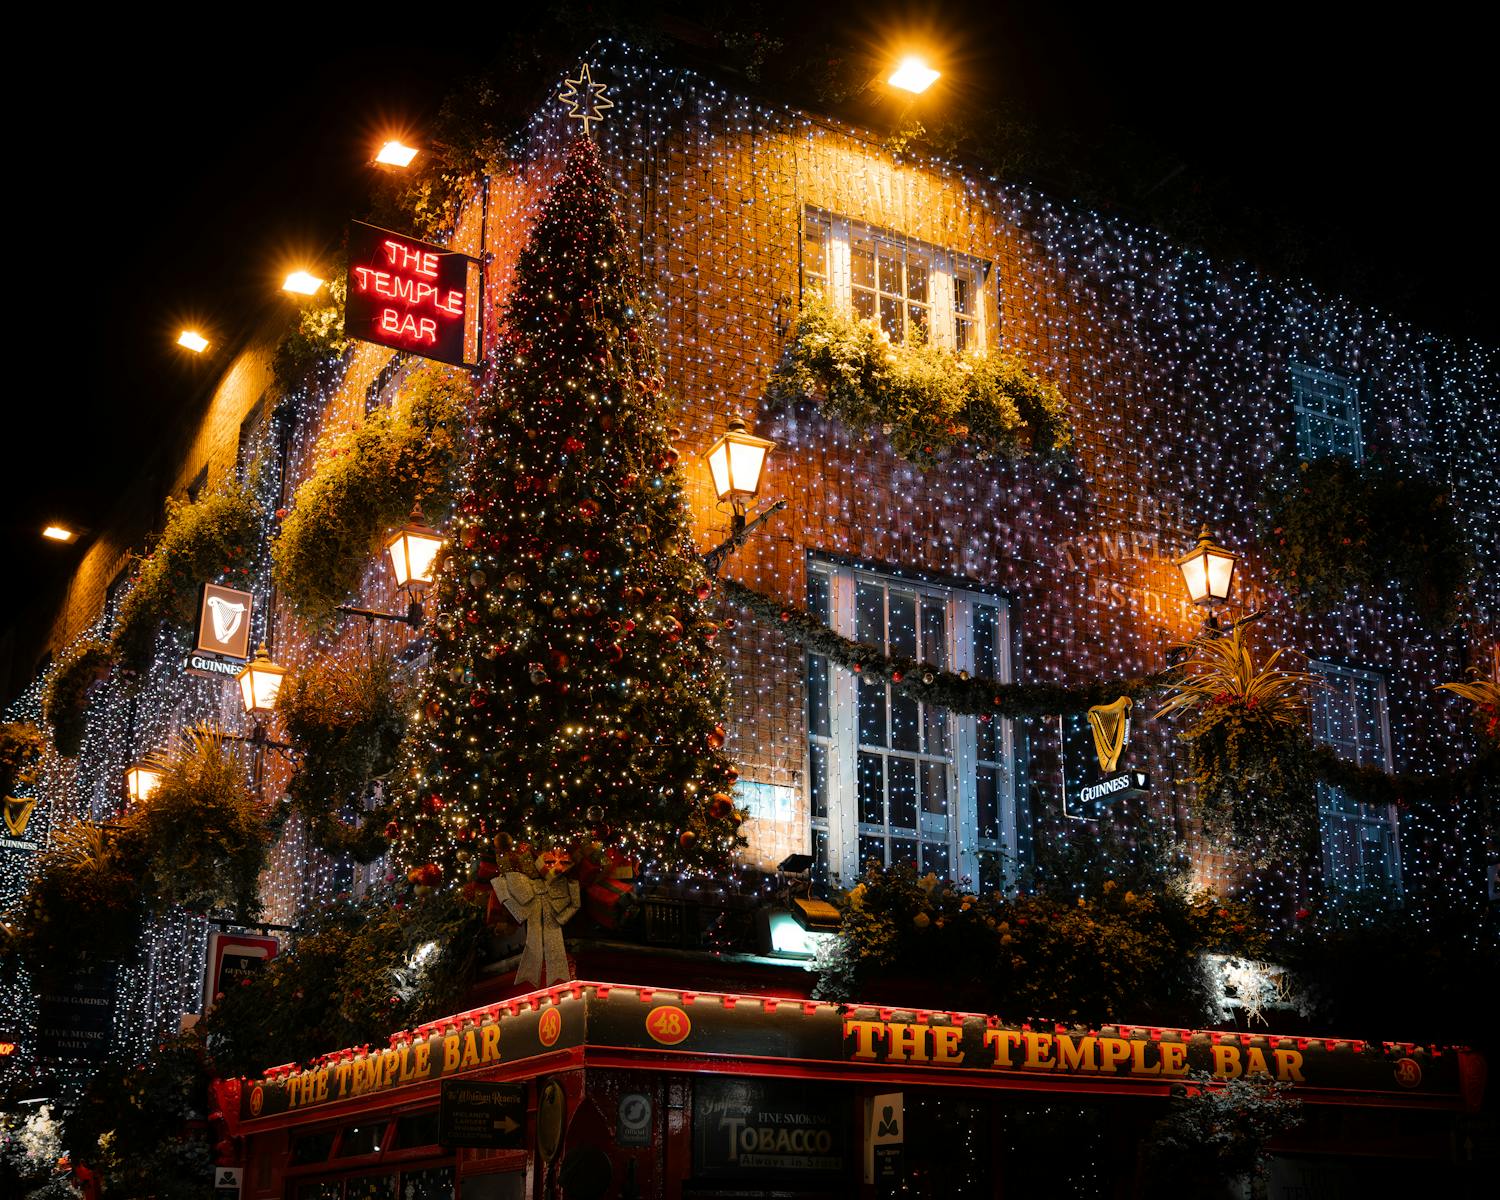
pixel 187 180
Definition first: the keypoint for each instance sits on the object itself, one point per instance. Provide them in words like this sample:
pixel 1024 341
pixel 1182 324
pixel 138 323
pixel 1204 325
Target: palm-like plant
pixel 1220 671
pixel 1484 694
pixel 1248 749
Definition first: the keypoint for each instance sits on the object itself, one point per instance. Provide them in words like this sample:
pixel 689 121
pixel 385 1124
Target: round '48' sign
pixel 668 1024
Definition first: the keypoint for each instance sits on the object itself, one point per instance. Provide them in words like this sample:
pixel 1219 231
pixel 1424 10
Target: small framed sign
pixel 224 622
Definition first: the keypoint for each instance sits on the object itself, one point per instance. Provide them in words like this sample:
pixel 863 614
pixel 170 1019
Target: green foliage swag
pixel 957 691
pixel 932 403
pixel 1218 1130
pixel 359 971
pixel 65 699
pixel 21 746
pixel 1104 954
pixel 364 484
pixel 202 836
pixel 1332 526
pixel 84 904
pixel 211 540
pixel 346 720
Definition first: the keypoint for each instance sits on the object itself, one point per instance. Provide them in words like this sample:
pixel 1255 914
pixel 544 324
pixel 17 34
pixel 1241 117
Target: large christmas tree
pixel 574 700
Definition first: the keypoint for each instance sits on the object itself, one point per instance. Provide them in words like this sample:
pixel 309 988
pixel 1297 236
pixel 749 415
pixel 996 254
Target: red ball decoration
pixel 720 806
pixel 715 738
pixel 688 839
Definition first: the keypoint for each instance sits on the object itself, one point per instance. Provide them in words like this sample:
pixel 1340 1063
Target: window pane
pixel 935 633
pixel 916 277
pixel 418 1129
pixel 818 591
pixel 871 789
pixel 871 848
pixel 361 1139
pixel 903 852
pixel 935 788
pixel 869 614
pixel 862 262
pixel 988 743
pixel 985 634
pixel 906 727
pixel 963 295
pixel 817 769
pixel 311 1147
pixel 890 268
pixel 990 877
pixel 433 1183
pixel 890 318
pixel 864 305
pixel 872 713
pixel 815 246
pixel 987 802
pixel 935 858
pixel 821 867
pixel 371 1187
pixel 903 624
pixel 903 792
pixel 819 703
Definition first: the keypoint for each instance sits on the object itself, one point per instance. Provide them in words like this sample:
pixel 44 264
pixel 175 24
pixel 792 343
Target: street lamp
pixel 736 462
pixel 1208 571
pixel 912 74
pixel 394 154
pixel 414 549
pixel 302 283
pixel 141 780
pixel 260 681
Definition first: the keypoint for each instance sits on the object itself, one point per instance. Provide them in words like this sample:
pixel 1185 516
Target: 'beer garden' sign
pixel 408 295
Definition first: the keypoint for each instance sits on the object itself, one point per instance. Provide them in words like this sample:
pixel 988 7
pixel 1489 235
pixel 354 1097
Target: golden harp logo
pixel 18 815
pixel 1111 726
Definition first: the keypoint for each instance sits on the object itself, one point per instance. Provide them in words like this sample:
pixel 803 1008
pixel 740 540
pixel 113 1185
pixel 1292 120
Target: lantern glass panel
pixel 745 462
pixel 413 552
pixel 718 464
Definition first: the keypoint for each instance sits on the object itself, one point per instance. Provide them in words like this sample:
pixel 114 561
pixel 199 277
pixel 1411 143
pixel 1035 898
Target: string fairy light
pixel 1175 365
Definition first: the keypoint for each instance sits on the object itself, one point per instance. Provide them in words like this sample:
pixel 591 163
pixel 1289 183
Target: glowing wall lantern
pixel 141 780
pixel 736 461
pixel 1208 571
pixel 260 681
pixel 394 154
pixel 912 74
pixel 414 549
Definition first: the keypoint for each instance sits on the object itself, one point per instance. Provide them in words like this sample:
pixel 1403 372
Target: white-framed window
pixel 917 292
pixel 1327 410
pixel 1361 842
pixel 894 779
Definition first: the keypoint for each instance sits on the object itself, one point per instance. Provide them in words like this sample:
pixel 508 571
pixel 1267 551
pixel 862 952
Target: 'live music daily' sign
pixel 408 295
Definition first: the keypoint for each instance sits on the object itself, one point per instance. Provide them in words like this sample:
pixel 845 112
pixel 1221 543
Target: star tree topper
pixel 585 99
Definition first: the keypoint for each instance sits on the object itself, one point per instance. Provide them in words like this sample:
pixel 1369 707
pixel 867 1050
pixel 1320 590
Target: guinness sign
pixel 1091 755
pixel 224 622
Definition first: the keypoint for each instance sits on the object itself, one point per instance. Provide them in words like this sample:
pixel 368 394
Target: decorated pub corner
pixel 1078 775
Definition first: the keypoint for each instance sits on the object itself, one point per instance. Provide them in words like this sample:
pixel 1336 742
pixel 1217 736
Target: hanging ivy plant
pixel 202 837
pixel 364 484
pixel 346 719
pixel 21 745
pixel 318 336
pixel 212 540
pixel 65 701
pixel 1332 526
pixel 84 905
pixel 932 403
pixel 1249 753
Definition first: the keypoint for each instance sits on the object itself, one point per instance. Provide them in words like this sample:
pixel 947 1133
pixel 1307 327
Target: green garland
pixel 82 665
pixel 1332 526
pixel 213 539
pixel 347 720
pixel 932 403
pixel 364 485
pixel 958 692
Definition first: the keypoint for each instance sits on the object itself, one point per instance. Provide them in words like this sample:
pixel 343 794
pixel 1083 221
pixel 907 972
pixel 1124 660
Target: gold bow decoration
pixel 543 907
pixel 1111 726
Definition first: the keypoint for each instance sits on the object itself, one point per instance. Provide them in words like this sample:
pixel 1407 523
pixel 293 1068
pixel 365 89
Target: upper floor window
pixel 1360 841
pixel 892 778
pixel 918 293
pixel 1327 408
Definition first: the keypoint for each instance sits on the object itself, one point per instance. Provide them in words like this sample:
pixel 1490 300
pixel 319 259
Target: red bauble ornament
pixel 704 590
pixel 572 444
pixel 720 806
pixel 588 509
pixel 715 738
pixel 688 839
pixel 479 698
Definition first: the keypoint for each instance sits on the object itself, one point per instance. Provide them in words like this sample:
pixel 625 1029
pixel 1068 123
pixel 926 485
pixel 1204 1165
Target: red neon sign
pixel 406 294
